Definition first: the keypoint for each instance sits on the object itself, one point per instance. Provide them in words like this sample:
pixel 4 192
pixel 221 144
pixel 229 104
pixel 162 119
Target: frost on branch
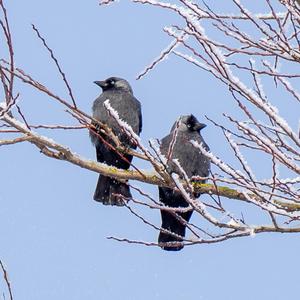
pixel 262 47
pixel 255 56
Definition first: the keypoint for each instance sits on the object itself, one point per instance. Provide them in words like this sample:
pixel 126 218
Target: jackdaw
pixel 177 146
pixel 120 96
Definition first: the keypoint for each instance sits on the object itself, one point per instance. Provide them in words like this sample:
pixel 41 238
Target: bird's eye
pixel 189 126
pixel 112 82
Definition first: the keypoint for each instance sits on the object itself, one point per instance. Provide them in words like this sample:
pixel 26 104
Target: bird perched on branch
pixel 176 147
pixel 120 96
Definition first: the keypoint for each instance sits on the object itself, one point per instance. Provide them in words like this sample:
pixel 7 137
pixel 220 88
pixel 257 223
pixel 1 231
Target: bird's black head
pixel 188 123
pixel 193 124
pixel 114 83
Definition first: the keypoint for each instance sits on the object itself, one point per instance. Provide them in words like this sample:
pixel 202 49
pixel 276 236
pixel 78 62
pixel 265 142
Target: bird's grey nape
pixel 187 122
pixel 114 83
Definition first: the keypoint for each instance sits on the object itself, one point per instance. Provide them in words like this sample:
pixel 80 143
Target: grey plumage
pixel 193 163
pixel 120 96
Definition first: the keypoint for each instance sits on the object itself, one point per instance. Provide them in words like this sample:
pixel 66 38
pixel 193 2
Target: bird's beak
pixel 200 126
pixel 102 84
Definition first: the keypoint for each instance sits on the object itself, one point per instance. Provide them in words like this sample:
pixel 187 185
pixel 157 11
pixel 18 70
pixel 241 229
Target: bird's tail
pixel 174 225
pixel 110 191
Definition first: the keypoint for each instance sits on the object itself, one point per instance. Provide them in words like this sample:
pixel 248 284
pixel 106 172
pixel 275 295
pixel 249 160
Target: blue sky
pixel 52 234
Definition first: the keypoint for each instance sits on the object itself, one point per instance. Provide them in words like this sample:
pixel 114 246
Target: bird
pixel 120 95
pixel 177 146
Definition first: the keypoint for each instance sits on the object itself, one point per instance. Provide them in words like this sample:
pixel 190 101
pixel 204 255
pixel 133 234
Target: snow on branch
pixel 256 56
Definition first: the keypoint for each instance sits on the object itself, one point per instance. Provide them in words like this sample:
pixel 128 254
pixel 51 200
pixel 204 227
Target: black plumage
pixel 120 96
pixel 177 145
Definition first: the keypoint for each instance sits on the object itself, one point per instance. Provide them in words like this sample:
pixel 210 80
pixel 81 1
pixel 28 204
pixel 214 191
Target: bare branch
pixel 57 64
pixel 5 276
